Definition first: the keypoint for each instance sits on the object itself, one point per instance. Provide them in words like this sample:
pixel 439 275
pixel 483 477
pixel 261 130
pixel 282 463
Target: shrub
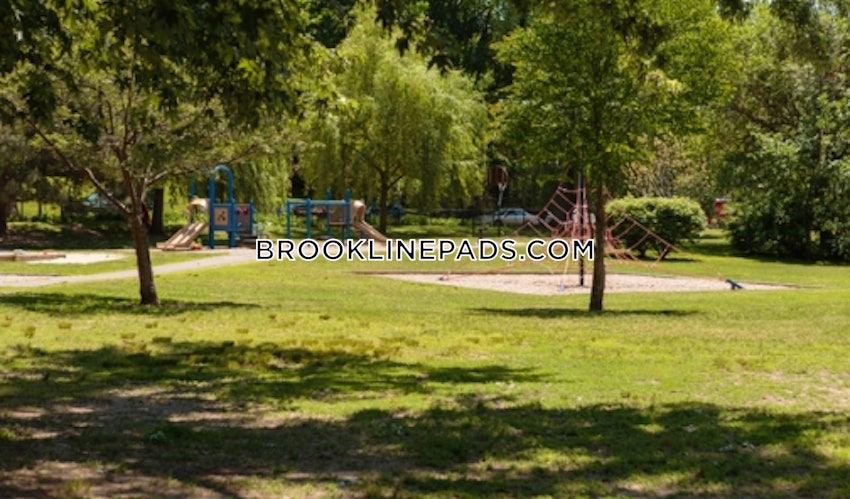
pixel 672 219
pixel 791 228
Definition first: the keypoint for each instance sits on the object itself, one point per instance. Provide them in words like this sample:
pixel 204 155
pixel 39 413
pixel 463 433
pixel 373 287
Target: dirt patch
pixel 552 284
pixel 84 258
pixel 221 257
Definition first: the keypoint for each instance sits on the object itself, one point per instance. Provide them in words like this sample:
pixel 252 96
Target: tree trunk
pixel 597 291
pixel 4 207
pixel 147 289
pixel 4 212
pixel 383 204
pixel 157 227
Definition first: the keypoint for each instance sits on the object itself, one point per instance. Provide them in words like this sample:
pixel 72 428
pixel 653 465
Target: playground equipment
pixel 358 221
pixel 343 213
pixel 336 212
pixel 183 238
pixel 234 218
pixel 567 215
pixel 230 217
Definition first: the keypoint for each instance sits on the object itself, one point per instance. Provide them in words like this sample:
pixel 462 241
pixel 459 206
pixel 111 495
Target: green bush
pixel 672 219
pixel 794 227
pixel 770 229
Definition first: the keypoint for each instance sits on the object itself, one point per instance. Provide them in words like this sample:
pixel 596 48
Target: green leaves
pixel 39 94
pixel 149 88
pixel 595 81
pixel 787 159
pixel 29 31
pixel 389 127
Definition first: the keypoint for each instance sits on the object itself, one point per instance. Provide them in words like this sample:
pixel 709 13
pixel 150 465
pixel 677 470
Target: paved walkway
pixel 222 257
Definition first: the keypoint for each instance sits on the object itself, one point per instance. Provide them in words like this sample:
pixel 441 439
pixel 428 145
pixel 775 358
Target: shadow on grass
pixel 66 305
pixel 175 417
pixel 240 373
pixel 561 313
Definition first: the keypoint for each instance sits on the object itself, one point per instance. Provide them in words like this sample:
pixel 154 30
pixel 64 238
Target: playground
pixel 226 215
pixel 237 220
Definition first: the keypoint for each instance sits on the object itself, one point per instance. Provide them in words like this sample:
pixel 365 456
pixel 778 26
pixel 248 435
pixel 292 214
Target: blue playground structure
pixel 234 218
pixel 336 212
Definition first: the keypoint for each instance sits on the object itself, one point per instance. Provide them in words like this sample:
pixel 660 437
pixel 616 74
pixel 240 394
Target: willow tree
pixel 596 81
pixel 147 88
pixel 386 124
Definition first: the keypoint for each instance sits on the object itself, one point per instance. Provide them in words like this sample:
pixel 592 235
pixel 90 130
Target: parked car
pixel 507 216
pixel 96 201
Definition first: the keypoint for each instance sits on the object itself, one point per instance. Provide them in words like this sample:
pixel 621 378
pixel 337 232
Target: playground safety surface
pixel 217 258
pixel 553 284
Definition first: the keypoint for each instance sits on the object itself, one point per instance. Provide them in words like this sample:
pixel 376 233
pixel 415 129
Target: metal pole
pixel 288 219
pixel 502 187
pixel 211 209
pixel 581 212
pixel 309 217
pixel 347 214
pixel 328 210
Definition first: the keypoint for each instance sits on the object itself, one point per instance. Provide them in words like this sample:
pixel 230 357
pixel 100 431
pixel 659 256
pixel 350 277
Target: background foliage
pixel 389 127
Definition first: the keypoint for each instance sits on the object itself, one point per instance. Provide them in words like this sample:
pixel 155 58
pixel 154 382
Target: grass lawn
pixel 309 380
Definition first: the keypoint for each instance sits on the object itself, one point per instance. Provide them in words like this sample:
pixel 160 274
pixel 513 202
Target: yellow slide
pixel 358 215
pixel 183 238
pixel 370 231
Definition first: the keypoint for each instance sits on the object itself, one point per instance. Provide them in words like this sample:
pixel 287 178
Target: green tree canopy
pixel 387 126
pixel 596 81
pixel 150 89
pixel 786 135
pixel 451 34
pixel 19 168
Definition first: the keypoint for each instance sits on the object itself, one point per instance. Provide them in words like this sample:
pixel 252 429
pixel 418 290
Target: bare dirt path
pixel 222 257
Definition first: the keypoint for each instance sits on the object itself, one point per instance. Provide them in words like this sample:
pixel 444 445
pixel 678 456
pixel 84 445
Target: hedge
pixel 672 219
